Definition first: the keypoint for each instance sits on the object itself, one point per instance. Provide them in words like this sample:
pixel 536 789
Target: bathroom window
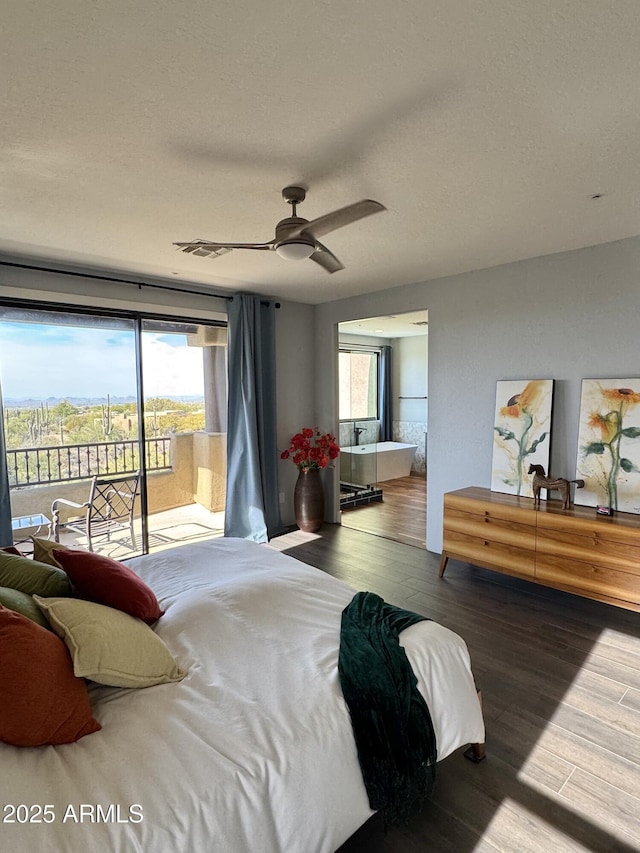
pixel 358 378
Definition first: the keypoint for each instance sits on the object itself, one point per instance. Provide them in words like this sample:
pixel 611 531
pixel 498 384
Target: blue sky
pixel 40 361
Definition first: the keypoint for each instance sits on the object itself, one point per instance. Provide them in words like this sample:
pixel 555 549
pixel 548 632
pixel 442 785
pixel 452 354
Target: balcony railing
pixel 31 466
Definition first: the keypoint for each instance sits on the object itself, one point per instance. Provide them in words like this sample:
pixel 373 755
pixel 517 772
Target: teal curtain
pixel 6 534
pixel 251 509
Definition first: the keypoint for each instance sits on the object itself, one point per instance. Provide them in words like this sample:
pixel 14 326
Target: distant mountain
pixel 82 402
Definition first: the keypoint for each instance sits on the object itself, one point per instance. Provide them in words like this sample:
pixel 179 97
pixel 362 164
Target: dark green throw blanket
pixel 391 722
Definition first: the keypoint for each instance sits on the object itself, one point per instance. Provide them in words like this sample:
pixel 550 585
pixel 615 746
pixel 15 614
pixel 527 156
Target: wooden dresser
pixel 570 549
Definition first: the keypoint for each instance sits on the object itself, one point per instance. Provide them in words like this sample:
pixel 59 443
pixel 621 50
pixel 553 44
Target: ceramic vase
pixel 308 500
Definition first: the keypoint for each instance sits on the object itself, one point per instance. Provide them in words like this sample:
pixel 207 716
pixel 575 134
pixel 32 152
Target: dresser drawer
pixel 588 578
pixel 621 528
pixel 590 549
pixel 519 510
pixel 487 526
pixel 490 554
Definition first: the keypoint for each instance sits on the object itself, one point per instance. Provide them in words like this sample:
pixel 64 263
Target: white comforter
pixel 251 753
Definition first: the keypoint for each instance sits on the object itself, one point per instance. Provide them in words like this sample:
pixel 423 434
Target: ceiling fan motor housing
pixel 286 226
pixel 299 247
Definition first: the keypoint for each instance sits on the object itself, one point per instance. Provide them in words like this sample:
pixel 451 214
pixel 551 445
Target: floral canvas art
pixel 609 444
pixel 521 433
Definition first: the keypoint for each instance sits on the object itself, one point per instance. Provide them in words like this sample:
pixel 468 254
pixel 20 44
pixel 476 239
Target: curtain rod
pixel 116 280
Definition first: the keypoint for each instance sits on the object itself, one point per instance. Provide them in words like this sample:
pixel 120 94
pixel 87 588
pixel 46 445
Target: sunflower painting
pixel 609 445
pixel 521 433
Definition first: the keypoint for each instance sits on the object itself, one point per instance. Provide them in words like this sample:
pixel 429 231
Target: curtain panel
pixel 6 534
pixel 252 510
pixel 385 401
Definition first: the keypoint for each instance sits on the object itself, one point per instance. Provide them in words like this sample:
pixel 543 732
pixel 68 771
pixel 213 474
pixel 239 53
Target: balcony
pixel 186 485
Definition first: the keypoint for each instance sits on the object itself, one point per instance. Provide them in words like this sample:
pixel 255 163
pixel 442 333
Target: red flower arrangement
pixel 311 449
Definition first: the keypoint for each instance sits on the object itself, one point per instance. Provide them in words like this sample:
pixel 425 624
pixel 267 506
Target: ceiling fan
pixel 295 238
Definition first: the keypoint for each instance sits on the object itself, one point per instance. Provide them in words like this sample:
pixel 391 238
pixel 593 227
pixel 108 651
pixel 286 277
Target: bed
pixel 253 750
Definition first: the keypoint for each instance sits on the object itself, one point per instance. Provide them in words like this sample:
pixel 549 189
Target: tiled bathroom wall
pixel 411 432
pixel 370 434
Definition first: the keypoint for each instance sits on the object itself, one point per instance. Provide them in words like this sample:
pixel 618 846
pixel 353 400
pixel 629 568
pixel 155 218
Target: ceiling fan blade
pixel 202 249
pixel 326 259
pixel 192 245
pixel 339 218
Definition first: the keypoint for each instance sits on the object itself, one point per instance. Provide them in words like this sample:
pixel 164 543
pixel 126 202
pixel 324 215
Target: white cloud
pixel 80 362
pixel 170 370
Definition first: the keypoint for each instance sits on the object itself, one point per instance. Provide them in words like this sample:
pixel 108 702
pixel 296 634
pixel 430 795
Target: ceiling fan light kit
pixel 295 250
pixel 295 238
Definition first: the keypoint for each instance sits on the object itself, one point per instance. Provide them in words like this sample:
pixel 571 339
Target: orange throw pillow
pixel 105 581
pixel 42 700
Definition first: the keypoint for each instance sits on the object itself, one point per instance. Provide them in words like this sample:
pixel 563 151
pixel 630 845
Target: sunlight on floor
pixel 166 530
pixel 506 827
pixel 290 540
pixel 559 772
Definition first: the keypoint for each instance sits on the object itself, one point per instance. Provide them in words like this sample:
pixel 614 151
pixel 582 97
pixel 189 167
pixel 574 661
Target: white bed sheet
pixel 253 751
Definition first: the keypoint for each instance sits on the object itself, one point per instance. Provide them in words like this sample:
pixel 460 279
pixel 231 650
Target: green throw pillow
pixel 22 603
pixel 32 577
pixel 109 646
pixel 43 551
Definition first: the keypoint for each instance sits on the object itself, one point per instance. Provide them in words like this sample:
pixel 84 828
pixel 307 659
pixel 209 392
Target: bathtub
pixel 373 463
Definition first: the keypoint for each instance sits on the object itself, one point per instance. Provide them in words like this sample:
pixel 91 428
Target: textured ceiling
pixel 408 325
pixel 485 128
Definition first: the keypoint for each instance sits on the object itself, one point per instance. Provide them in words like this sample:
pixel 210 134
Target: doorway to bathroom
pixel 383 400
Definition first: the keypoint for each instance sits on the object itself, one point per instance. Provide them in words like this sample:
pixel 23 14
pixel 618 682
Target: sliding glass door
pixel 184 377
pixel 70 412
pixel 114 426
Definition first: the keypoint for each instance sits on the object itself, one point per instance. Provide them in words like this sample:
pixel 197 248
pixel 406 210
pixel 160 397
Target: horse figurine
pixel 540 481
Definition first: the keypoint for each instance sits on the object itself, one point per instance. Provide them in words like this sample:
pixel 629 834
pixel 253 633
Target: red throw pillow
pixel 106 581
pixel 42 700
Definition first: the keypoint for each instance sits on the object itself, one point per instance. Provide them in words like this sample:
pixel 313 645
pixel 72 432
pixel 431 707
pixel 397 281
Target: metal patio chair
pixel 110 508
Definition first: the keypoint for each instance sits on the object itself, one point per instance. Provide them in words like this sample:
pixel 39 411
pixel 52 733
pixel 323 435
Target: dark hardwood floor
pixel 401 515
pixel 560 677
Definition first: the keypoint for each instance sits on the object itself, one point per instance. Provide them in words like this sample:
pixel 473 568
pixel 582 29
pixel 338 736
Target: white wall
pixel 45 286
pixel 567 316
pixel 295 393
pixel 409 364
pixel 363 340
